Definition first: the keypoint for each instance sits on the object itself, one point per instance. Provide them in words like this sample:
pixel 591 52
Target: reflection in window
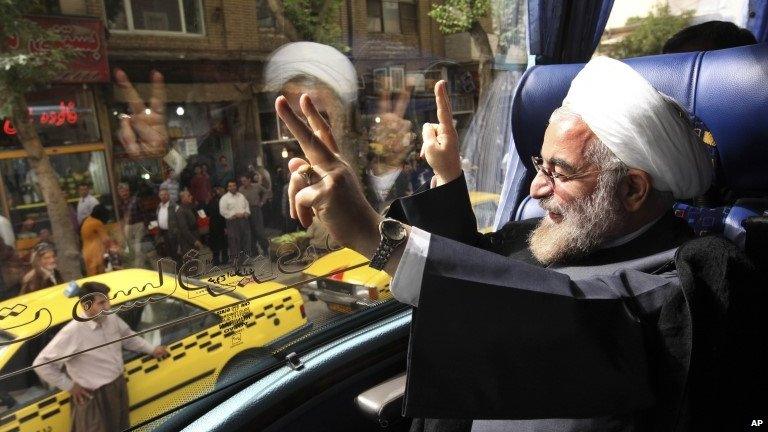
pixel 390 16
pixel 264 15
pixel 408 17
pixel 62 115
pixel 26 208
pixel 167 311
pixel 182 16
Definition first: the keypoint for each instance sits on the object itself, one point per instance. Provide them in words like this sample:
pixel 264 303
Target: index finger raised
pixel 444 114
pixel 135 103
pixel 316 151
pixel 157 101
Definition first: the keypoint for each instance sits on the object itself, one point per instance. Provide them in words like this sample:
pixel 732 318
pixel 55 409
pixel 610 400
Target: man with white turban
pixel 547 321
pixel 327 76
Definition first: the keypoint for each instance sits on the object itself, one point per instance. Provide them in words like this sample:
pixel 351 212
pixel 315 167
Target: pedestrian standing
pixel 255 194
pixel 86 203
pixel 93 377
pixel 235 209
pixel 217 232
pixel 167 244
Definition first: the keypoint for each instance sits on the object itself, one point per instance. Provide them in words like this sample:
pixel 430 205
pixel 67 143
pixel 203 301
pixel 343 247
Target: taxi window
pixel 160 322
pixel 25 388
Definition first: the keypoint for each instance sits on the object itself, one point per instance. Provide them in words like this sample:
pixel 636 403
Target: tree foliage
pixel 316 20
pixel 650 32
pixel 31 56
pixel 456 16
pixel 21 69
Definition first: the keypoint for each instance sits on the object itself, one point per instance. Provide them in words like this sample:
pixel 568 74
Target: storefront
pixel 68 121
pixel 206 125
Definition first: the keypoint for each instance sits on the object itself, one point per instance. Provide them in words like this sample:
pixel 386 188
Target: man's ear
pixel 636 189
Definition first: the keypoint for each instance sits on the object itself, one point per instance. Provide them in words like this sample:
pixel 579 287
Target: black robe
pixel 495 338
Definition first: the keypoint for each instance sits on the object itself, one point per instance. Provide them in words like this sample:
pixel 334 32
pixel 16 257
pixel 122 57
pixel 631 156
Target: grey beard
pixel 587 223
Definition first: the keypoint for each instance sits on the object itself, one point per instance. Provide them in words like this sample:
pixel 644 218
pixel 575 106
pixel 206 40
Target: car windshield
pixel 145 173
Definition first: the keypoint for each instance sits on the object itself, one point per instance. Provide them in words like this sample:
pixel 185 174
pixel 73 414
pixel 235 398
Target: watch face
pixel 392 229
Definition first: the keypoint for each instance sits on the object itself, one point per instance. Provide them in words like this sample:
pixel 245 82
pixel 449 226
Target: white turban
pixel 642 127
pixel 312 59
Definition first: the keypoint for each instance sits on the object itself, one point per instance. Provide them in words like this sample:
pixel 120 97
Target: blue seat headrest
pixel 726 89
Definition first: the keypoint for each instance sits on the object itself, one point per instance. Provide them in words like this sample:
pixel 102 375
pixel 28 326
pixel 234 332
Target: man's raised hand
pixel 143 133
pixel 330 190
pixel 441 141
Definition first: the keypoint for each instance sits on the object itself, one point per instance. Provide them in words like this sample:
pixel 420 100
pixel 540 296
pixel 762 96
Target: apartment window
pixel 374 15
pixel 391 16
pixel 173 16
pixel 408 17
pixel 264 16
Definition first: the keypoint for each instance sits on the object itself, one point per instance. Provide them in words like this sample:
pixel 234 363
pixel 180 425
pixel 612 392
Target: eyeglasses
pixel 538 164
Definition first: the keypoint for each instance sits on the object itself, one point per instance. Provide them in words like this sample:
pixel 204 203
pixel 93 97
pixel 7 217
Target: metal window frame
pixel 182 16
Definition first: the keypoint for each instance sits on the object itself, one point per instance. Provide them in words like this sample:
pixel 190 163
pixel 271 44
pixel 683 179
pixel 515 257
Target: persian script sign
pixel 85 36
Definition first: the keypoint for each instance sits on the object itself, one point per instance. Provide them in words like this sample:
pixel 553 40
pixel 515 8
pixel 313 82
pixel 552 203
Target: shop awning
pixel 197 93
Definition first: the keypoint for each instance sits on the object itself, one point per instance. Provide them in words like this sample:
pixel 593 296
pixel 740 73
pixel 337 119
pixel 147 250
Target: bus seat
pixel 722 89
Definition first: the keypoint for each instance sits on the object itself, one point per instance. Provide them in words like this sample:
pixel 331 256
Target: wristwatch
pixel 393 234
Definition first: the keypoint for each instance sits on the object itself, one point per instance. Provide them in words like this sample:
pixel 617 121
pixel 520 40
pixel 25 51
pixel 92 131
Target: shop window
pixel 392 16
pixel 62 115
pixel 24 199
pixel 264 16
pixel 181 16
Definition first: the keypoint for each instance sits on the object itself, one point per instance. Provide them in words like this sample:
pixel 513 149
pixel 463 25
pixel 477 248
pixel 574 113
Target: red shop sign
pixel 83 35
pixel 66 114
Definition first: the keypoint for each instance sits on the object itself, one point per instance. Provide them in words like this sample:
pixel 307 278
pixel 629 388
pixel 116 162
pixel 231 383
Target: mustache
pixel 549 205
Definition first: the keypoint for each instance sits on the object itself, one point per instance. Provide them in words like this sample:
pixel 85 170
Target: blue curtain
pixel 566 31
pixel 757 21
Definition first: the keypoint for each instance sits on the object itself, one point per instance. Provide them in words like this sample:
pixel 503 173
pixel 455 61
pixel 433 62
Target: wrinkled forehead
pixel 566 138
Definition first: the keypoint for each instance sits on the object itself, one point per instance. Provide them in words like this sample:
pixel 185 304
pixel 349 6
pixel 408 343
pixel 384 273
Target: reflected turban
pixel 642 127
pixel 319 61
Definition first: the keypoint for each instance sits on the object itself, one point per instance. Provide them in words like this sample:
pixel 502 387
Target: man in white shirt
pixel 93 377
pixel 6 232
pixel 235 209
pixel 171 184
pixel 167 243
pixel 86 203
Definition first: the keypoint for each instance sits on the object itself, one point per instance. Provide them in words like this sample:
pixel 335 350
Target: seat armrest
pixel 384 402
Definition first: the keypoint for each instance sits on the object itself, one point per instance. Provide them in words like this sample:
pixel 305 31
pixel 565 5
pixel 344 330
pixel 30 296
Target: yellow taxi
pixel 219 333
pixel 346 283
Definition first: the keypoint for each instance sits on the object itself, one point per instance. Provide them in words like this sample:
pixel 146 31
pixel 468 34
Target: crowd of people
pixel 217 213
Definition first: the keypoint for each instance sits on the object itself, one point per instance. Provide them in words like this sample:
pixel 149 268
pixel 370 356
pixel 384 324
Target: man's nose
pixel 541 187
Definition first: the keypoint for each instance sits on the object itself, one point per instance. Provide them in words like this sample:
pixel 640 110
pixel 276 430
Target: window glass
pixel 373 8
pixel 164 317
pixel 192 17
pixel 642 28
pixel 264 14
pixel 116 14
pixel 180 16
pixel 408 17
pixel 24 196
pixel 153 15
pixel 178 108
pixel 23 389
pixel 62 115
pixel 390 16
